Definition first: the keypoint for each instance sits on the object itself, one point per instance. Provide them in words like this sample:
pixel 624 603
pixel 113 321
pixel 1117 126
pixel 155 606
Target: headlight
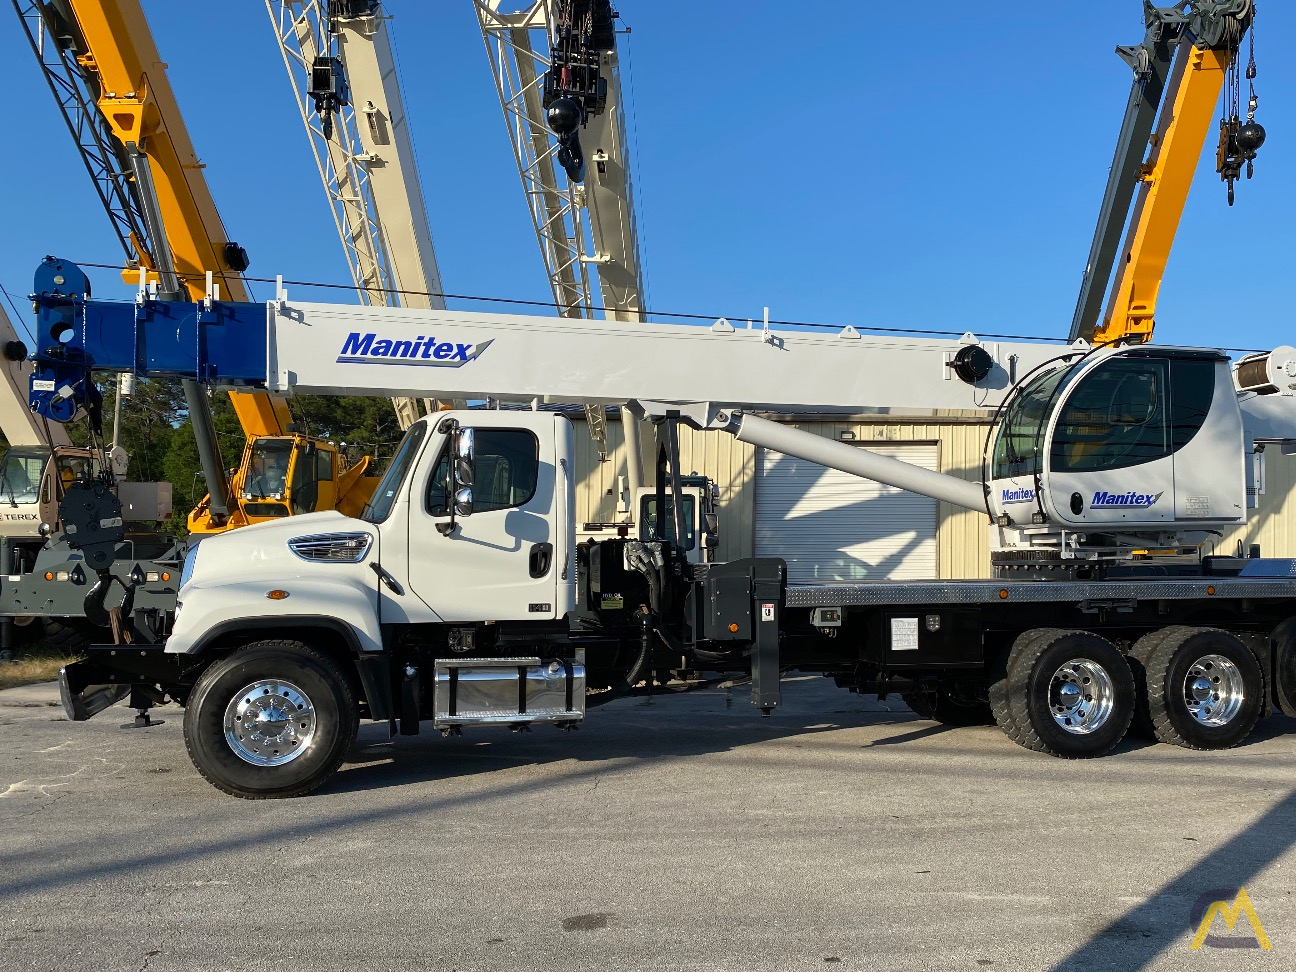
pixel 338 548
pixel 191 558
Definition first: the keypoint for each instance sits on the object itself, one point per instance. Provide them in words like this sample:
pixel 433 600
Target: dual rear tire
pixel 1199 688
pixel 1073 694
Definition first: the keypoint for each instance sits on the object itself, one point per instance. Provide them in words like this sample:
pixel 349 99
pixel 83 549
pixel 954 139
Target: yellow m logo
pixel 1241 906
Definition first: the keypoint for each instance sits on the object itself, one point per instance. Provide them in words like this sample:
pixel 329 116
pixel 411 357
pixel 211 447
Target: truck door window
pixel 508 463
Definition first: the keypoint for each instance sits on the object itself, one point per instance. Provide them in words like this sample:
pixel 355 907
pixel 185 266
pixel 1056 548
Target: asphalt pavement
pixel 682 832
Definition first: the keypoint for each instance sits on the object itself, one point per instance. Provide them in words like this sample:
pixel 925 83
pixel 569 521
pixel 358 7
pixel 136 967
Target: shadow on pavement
pixel 1135 939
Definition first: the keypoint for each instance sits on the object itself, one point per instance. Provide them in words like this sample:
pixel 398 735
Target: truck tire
pixel 944 706
pixel 71 635
pixel 1071 694
pixel 273 719
pixel 998 676
pixel 1203 688
pixel 1138 657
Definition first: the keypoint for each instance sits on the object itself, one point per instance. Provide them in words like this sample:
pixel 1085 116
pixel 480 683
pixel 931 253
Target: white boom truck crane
pixel 461 598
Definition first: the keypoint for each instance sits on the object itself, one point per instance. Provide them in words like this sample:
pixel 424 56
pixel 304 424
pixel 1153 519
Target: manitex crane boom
pixel 1120 415
pixel 343 73
pixel 1188 56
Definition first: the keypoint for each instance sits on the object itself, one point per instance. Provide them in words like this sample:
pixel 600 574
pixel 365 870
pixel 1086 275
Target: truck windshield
pixel 384 497
pixel 21 475
pixel 1016 451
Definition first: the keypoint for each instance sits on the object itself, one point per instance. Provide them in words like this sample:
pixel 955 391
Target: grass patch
pixel 31 664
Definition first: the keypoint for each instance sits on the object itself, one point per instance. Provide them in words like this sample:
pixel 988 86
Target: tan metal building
pixel 835 527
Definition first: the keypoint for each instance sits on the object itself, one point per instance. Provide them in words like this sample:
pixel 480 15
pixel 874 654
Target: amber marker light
pixel 733 627
pixel 1210 591
pixel 1003 594
pixel 276 595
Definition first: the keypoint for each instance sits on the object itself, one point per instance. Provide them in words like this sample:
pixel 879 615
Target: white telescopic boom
pixel 858 462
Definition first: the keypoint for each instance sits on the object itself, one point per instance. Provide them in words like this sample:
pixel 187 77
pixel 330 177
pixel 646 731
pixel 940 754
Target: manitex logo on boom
pixel 1023 495
pixel 1102 500
pixel 422 351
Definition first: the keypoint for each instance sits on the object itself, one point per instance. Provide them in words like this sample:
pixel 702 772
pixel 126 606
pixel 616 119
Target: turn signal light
pixel 276 595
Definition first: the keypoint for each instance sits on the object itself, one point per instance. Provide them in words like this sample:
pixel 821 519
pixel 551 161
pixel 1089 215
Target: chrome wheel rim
pixel 1213 690
pixel 269 723
pixel 1081 696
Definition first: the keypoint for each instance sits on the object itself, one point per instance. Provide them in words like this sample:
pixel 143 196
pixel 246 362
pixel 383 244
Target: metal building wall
pixel 1272 524
pixel 961 538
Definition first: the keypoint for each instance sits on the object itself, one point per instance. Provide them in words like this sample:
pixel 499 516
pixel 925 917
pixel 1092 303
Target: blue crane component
pixel 209 341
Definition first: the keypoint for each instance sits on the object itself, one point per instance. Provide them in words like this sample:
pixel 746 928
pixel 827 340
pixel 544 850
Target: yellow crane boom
pixel 136 99
pixel 1180 70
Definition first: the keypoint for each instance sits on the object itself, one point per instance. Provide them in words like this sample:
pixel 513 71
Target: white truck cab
pixel 470 523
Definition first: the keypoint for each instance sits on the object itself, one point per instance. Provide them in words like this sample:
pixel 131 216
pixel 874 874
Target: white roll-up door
pixel 831 526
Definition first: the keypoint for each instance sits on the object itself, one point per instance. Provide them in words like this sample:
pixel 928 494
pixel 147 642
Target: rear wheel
pixel 1070 694
pixel 273 719
pixel 999 703
pixel 1203 688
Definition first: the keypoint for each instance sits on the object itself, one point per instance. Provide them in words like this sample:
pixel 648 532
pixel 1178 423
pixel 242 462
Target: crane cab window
pixel 20 477
pixel 324 466
pixel 1130 411
pixel 305 479
pixel 74 468
pixel 508 465
pixel 1016 449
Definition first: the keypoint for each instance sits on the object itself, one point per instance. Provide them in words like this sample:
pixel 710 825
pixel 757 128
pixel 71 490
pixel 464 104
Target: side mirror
pixel 463 502
pixel 711 523
pixel 465 470
pixel 463 473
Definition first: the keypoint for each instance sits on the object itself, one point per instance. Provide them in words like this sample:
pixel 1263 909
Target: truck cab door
pixel 507 560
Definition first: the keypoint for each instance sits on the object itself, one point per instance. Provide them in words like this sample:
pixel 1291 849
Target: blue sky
pixel 939 171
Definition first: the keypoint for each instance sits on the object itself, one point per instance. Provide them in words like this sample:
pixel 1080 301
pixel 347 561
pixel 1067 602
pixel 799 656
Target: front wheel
pixel 273 719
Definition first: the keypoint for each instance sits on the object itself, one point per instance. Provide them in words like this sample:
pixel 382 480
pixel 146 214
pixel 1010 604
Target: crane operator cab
pixel 1117 450
pixel 287 475
pixel 33 480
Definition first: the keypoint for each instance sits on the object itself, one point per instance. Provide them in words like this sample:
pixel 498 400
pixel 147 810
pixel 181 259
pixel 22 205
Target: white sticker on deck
pixel 904 634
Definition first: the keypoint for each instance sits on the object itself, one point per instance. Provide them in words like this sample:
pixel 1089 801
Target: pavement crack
pixel 147 956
